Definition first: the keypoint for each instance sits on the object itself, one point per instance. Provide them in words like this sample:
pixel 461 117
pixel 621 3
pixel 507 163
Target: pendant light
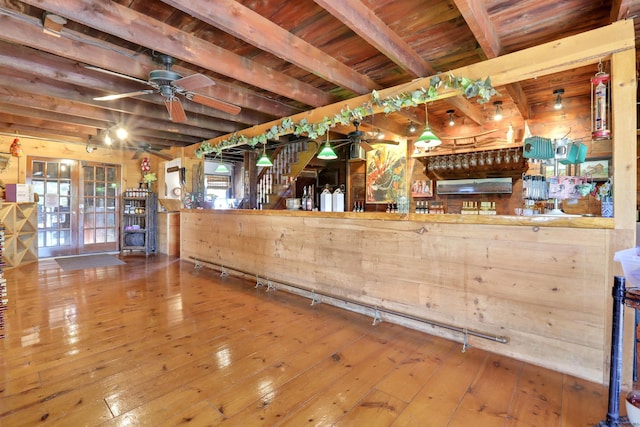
pixel 558 103
pixel 498 115
pixel 327 152
pixel 264 161
pixel 450 114
pixel 428 139
pixel 222 168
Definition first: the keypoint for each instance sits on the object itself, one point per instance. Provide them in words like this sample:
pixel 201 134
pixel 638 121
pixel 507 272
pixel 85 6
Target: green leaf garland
pixel 480 89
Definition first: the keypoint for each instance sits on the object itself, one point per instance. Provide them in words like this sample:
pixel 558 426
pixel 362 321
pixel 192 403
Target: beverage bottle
pixel 303 200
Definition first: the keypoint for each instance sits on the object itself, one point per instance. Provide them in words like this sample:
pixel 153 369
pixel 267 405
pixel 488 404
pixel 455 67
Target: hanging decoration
pixel 148 177
pixel 480 88
pixel 600 105
pixel 16 148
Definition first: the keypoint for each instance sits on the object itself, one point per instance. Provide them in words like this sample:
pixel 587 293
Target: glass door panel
pixel 77 206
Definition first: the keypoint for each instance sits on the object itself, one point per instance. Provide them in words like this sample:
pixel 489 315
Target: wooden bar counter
pixel 544 283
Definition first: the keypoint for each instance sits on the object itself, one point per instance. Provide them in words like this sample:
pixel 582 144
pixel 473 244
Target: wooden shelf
pixel 145 237
pixel 20 222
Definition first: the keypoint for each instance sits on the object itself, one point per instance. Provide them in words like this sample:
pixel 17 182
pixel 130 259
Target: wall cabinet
pixel 139 221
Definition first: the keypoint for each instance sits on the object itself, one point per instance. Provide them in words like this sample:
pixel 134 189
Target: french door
pixel 77 206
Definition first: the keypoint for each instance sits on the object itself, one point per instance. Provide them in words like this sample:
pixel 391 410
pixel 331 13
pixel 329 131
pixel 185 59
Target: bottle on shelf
pixel 303 200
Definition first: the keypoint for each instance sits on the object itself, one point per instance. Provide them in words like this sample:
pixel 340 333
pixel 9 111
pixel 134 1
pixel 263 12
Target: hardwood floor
pixel 156 342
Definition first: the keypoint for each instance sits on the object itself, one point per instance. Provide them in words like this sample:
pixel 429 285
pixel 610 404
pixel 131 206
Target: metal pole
pixel 615 371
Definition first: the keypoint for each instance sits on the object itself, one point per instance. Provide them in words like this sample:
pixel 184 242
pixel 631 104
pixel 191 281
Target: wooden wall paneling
pixel 550 305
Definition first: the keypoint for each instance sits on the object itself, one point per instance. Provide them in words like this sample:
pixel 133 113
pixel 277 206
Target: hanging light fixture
pixel 264 161
pixel 600 102
pixel 222 168
pixel 450 114
pixel 327 153
pixel 428 139
pixel 412 127
pixel 121 133
pixel 558 94
pixel 498 115
pixel 107 137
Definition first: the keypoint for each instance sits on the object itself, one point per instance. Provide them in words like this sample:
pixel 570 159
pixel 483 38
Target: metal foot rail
pixel 376 312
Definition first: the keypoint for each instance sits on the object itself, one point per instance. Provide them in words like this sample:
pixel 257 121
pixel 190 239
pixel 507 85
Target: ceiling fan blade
pixel 123 95
pixel 382 141
pixel 113 73
pixel 193 82
pixel 176 112
pixel 162 155
pixel 366 146
pixel 137 154
pixel 335 147
pixel 213 103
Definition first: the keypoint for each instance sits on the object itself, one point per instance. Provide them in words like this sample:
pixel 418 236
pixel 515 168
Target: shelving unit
pixel 139 228
pixel 20 221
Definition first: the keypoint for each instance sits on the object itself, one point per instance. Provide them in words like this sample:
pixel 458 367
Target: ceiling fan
pixel 149 149
pixel 170 84
pixel 358 136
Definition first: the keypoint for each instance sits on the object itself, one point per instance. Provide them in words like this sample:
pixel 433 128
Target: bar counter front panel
pixel 541 282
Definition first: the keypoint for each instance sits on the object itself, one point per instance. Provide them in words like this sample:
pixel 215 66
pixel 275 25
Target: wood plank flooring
pixel 157 342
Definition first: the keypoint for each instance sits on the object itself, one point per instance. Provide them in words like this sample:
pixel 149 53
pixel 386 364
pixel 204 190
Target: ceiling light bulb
pixel 498 115
pixel 558 93
pixel 107 139
pixel 412 128
pixel 450 114
pixel 122 133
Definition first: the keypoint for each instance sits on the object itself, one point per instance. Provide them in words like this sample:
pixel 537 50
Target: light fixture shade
pixel 327 152
pixel 428 139
pixel 264 161
pixel 222 168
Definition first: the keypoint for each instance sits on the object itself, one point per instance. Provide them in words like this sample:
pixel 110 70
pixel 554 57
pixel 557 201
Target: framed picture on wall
pixel 548 170
pixel 596 169
pixel 422 188
pixel 386 172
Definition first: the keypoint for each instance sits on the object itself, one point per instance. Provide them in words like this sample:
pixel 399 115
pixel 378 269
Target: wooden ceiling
pixel 270 58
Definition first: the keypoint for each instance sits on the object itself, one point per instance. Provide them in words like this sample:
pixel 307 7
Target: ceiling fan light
pixel 264 161
pixel 327 152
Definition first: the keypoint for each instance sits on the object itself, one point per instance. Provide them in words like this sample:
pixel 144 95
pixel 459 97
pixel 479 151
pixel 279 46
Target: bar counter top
pixel 571 221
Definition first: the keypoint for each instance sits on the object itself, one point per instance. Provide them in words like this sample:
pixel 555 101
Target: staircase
pixel 277 183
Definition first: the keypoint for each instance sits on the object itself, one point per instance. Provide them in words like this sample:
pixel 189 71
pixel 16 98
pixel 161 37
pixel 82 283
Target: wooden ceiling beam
pixel 571 52
pixel 620 10
pixel 57 127
pixel 135 27
pixel 25 61
pixel 477 18
pixel 72 109
pixel 241 22
pixel 26 30
pixel 20 131
pixel 52 116
pixel 38 84
pixel 364 22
